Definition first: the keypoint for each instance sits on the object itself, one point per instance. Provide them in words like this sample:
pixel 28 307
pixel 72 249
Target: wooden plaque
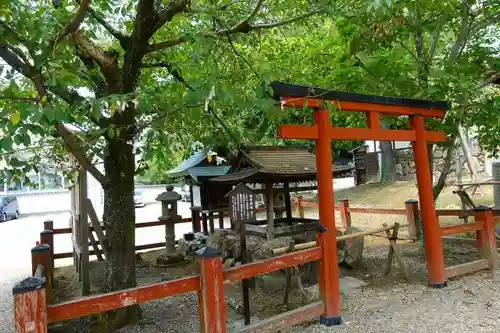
pixel 242 204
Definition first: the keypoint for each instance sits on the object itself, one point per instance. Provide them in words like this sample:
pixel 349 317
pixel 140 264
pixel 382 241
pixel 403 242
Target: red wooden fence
pixel 33 310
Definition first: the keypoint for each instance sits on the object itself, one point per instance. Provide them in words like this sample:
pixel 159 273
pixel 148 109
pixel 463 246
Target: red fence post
pixel 328 268
pixel 488 247
pixel 413 219
pixel 211 302
pixel 345 214
pixel 40 255
pixel 47 237
pixel 30 307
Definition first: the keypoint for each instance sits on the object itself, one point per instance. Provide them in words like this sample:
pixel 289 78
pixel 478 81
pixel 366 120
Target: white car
pixel 138 200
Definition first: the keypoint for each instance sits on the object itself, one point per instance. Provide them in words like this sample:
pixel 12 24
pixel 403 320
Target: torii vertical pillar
pixel 431 229
pixel 329 274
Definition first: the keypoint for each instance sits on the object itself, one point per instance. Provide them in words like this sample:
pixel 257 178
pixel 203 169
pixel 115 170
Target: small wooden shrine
pixel 205 197
pixel 274 172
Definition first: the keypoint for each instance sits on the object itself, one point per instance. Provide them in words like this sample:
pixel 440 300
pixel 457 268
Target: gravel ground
pixel 6 322
pixel 469 304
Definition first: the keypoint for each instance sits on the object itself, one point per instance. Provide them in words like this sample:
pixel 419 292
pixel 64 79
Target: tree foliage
pixel 109 80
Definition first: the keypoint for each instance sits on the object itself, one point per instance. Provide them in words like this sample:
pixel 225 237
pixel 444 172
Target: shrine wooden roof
pixel 292 90
pixel 275 163
pixel 197 165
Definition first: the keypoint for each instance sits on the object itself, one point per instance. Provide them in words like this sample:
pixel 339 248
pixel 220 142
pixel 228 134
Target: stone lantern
pixel 169 216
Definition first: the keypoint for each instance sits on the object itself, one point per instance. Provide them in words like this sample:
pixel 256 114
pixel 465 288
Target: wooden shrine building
pixel 276 171
pixel 205 197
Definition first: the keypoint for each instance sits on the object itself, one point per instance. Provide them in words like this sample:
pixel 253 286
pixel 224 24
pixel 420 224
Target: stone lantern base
pixel 169 258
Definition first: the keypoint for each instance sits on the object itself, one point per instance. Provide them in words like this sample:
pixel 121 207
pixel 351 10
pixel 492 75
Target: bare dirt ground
pixel 386 304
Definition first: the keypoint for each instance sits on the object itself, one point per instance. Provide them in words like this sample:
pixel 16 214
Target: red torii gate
pixel 322 132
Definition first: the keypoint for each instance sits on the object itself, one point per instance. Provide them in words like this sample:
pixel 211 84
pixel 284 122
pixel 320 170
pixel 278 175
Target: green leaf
pixel 15 117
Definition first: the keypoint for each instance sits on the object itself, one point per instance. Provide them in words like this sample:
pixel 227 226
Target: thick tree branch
pixel 145 22
pixel 173 72
pixel 18 98
pixel 73 26
pixel 435 42
pixel 107 61
pixel 462 35
pixel 93 76
pixel 123 39
pixel 166 15
pixel 13 59
pixel 36 77
pixel 241 27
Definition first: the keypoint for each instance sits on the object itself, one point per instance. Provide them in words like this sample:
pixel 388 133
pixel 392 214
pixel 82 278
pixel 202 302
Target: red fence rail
pixel 32 298
pixel 411 211
pixel 30 304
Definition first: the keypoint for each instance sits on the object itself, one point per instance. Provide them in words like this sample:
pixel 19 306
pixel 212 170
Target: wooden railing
pixel 33 310
pixel 411 211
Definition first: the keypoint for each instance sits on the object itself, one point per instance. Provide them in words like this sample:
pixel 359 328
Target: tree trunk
pixel 440 184
pixel 430 157
pixel 119 220
pixel 388 170
pixel 462 135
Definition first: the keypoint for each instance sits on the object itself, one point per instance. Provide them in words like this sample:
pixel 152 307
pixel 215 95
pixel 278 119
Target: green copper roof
pixel 190 167
pixel 182 169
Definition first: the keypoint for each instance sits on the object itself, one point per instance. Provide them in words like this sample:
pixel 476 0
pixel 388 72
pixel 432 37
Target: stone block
pixel 348 285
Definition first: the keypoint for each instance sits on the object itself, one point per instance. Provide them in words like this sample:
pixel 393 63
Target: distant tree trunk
pixel 441 182
pixel 430 157
pixel 388 169
pixel 464 140
pixel 388 166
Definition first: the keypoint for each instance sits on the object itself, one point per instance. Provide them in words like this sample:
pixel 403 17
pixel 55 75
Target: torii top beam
pixel 317 98
pixel 314 97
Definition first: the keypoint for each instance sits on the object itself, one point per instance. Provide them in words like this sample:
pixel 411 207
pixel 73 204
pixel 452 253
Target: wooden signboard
pixel 242 209
pixel 242 204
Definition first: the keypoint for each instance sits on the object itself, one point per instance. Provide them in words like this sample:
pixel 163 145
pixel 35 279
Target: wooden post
pixel 84 231
pixel 270 211
pixel 30 307
pixel 430 223
pixel 211 221
pixel 288 203
pixel 345 214
pixel 205 223
pixel 48 225
pixel 488 249
pixel 195 216
pixel 40 255
pixel 245 284
pixel 221 219
pixel 300 208
pixel 211 302
pixel 413 220
pixel 329 274
pixel 47 237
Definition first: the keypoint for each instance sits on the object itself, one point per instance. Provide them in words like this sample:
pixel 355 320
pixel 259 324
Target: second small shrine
pixel 273 172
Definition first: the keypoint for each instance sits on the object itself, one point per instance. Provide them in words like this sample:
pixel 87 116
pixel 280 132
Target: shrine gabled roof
pixel 182 169
pixel 261 164
pixel 208 171
pixel 292 90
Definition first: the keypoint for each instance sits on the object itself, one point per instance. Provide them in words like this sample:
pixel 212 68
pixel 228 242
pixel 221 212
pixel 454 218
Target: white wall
pixel 43 202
